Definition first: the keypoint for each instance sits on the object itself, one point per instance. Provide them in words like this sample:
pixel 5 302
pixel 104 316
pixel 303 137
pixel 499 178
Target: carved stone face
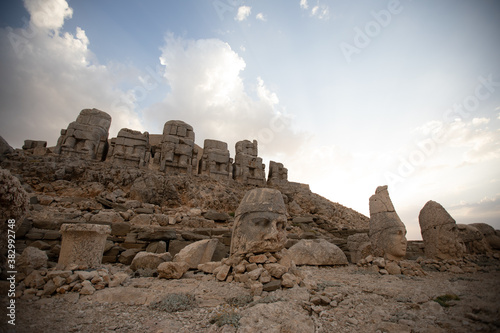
pixel 259 232
pixel 260 223
pixel 394 243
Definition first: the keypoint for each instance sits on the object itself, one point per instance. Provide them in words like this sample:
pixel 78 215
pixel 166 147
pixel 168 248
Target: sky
pixel 348 95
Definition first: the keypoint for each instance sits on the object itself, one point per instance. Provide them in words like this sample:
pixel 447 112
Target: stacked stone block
pixel 177 148
pixel 248 167
pixel 130 148
pixel 87 137
pixel 215 161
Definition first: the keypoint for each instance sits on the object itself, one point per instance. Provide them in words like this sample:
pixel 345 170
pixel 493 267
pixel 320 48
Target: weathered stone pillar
pixel 82 244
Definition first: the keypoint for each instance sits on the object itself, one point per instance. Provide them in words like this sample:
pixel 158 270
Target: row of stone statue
pixel 443 238
pixel 172 151
pixel 261 218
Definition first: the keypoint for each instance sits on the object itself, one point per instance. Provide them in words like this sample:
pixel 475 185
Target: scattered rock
pixel 317 252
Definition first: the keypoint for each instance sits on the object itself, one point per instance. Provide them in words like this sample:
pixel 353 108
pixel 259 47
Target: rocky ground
pixel 330 299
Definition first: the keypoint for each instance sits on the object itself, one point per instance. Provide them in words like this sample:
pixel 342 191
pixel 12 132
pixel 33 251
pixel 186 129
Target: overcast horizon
pixel 348 96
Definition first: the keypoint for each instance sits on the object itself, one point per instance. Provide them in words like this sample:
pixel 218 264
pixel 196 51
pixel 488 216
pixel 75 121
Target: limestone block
pixel 489 234
pixel 197 253
pixel 32 257
pixel 82 244
pixel 172 270
pixel 87 137
pixel 148 260
pixel 317 252
pixel 278 174
pixel 177 147
pixel 359 246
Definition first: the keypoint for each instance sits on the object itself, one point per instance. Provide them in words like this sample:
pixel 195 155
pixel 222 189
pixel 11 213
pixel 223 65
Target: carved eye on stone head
pixel 261 222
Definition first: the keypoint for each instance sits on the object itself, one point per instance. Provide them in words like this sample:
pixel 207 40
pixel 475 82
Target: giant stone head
pixel 260 221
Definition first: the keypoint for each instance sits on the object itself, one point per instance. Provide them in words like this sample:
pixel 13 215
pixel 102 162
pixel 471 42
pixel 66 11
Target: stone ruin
pixel 387 231
pixel 87 137
pixel 177 148
pixel 215 161
pixel 173 151
pixel 82 245
pixel 278 174
pixel 130 148
pixel 259 224
pixel 248 167
pixel 440 233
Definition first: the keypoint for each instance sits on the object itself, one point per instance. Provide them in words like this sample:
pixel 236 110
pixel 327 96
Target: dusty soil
pixel 359 301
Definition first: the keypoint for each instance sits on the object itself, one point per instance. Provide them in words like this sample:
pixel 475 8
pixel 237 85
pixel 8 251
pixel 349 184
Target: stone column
pixel 82 244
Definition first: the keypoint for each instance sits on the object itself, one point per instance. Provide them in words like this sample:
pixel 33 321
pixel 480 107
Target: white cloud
pixel 49 76
pixel 485 210
pixel 207 91
pixel 243 13
pixel 473 140
pixel 320 10
pixel 48 14
pixel 480 121
pixel 260 17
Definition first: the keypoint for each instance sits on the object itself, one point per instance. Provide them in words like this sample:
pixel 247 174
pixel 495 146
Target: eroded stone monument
pixel 130 148
pixel 87 137
pixel 248 167
pixel 439 232
pixel 82 244
pixel 259 224
pixel 387 231
pixel 177 148
pixel 278 174
pixel 215 161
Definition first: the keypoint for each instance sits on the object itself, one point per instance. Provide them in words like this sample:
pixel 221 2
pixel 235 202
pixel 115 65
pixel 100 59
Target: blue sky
pixel 348 95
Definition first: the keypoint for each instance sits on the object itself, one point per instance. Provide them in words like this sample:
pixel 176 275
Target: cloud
pixel 243 13
pixel 49 76
pixel 480 121
pixel 473 140
pixel 320 10
pixel 485 210
pixel 48 14
pixel 260 17
pixel 208 92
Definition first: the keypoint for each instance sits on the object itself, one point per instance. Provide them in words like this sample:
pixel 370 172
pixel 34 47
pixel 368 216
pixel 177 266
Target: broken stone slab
pixel 303 219
pixel 172 270
pixel 110 204
pixel 155 234
pixel 317 252
pixel 489 234
pixel 216 216
pixel 32 258
pixel 197 253
pixel 148 260
pixel 82 244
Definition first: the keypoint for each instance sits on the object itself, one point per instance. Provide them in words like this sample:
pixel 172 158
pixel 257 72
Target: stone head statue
pixel 387 231
pixel 259 224
pixel 439 233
